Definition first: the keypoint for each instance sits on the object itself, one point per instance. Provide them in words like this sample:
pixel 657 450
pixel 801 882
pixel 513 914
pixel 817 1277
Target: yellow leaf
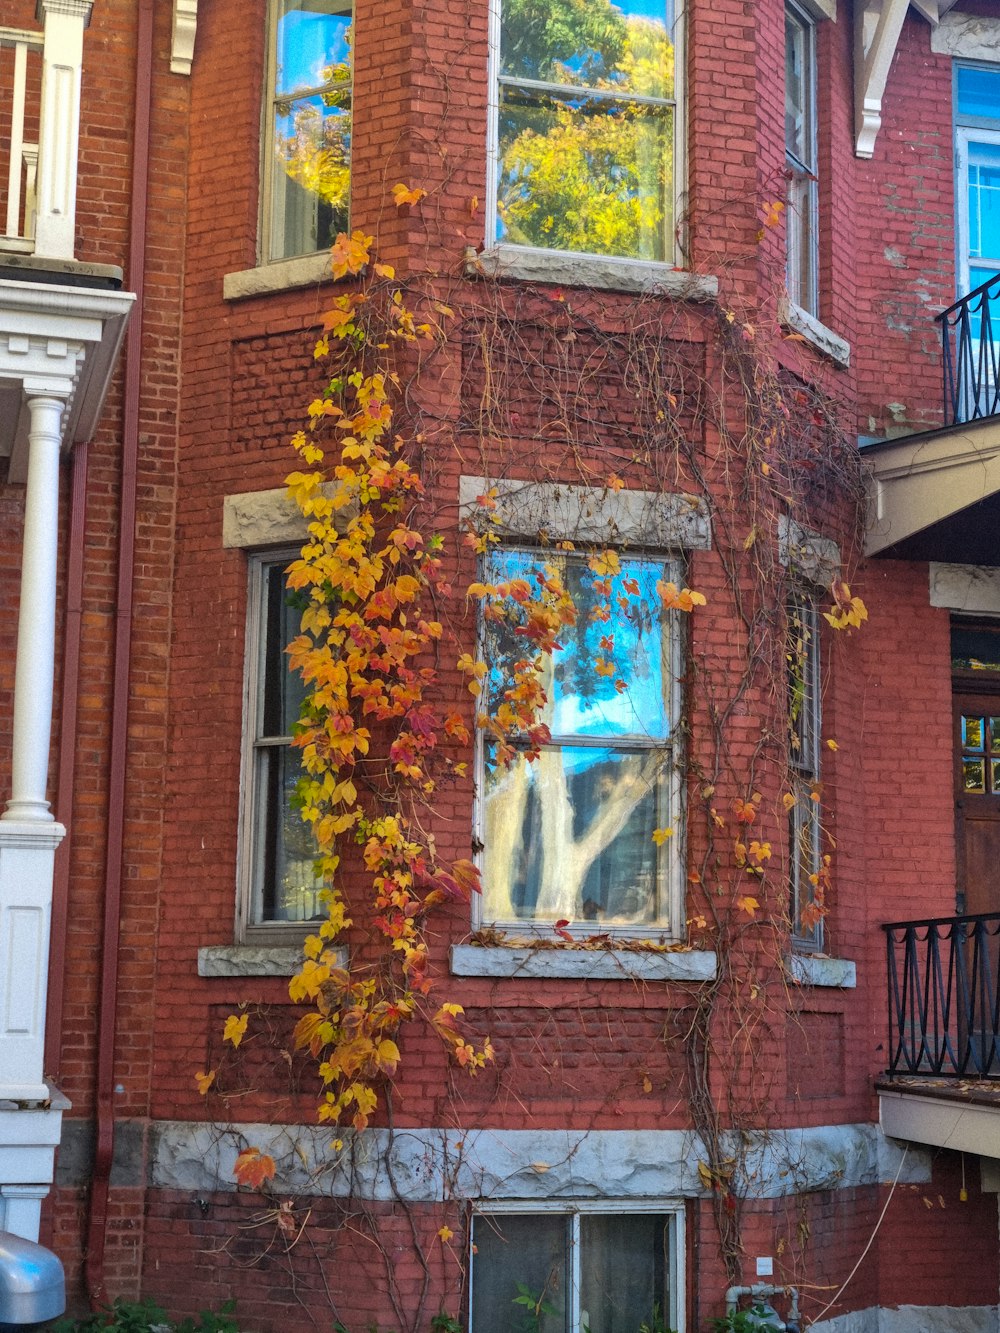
pixel 832 745
pixel 748 905
pixel 385 271
pixel 204 1080
pixel 445 1233
pixel 402 194
pixel 235 1029
pixel 660 835
pixel 788 801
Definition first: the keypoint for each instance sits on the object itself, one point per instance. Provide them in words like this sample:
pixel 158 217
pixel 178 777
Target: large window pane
pixel 310 148
pixel 584 174
pixel 288 887
pixel 520 1274
pixel 624 1269
pixel 978 92
pixel 984 202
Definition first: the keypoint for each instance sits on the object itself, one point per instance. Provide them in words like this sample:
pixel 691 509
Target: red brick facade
pixel 223 384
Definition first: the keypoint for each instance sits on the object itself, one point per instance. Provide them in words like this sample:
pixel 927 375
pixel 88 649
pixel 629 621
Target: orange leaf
pixel 253 1168
pixel 401 195
pixel 748 905
pixel 204 1080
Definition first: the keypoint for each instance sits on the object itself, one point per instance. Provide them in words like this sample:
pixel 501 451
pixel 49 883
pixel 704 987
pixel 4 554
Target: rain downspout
pixel 108 1001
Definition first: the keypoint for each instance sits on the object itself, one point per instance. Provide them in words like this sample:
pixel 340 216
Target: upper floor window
pixel 581 833
pixel 800 158
pixel 977 152
pixel 584 127
pixel 307 136
pixel 277 851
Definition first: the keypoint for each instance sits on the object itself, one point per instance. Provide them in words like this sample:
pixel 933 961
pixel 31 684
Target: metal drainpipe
pixel 107 1013
pixel 68 699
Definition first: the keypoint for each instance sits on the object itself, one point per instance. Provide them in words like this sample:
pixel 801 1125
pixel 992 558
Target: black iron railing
pixel 970 339
pixel 944 996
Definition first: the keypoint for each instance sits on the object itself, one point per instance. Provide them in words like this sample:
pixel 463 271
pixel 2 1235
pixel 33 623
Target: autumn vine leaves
pixel 381 733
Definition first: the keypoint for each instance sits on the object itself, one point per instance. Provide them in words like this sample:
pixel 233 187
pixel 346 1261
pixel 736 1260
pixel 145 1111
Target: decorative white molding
pixel 940 1122
pixel 182 36
pixel 812 970
pixel 51 335
pixel 59 126
pixel 473 960
pixel 968 589
pixel 967 37
pixel 877 25
pixel 589 513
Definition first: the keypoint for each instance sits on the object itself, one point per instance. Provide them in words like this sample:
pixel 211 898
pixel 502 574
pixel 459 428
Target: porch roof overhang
pixel 936 496
pixel 962 1117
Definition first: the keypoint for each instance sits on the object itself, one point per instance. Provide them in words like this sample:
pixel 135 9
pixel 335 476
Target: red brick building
pixel 684 267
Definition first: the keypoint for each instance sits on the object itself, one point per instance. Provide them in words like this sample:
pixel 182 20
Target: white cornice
pixel 61 335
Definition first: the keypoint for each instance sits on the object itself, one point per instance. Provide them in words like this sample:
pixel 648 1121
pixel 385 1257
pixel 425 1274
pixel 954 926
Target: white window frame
pixel 671 248
pixel 803 194
pixel 250 925
pixel 268 232
pixel 673 1209
pixel 670 860
pixel 805 817
pixel 964 135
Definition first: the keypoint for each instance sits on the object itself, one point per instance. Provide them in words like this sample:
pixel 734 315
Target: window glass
pixel 309 150
pixel 570 834
pixel 585 127
pixel 802 656
pixel 978 91
pixel 800 157
pixel 573 1272
pixel 280 852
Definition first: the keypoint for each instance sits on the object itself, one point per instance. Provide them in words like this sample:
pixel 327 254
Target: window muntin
pixel 307 154
pixel 279 884
pixel 569 836
pixel 800 159
pixel 589 1269
pixel 804 762
pixel 584 128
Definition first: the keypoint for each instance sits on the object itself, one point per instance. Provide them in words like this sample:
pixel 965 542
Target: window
pixel 570 836
pixel 977 152
pixel 584 127
pixel 800 158
pixel 585 1270
pixel 279 886
pixel 307 154
pixel 804 762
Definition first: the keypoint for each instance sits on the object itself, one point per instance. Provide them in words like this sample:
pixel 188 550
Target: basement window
pixel 577 1269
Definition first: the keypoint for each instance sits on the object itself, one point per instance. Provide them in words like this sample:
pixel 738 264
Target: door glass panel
pixel 972 733
pixel 973 775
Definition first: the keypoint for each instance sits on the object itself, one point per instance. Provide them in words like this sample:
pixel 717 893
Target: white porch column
pixel 59 125
pixel 36 624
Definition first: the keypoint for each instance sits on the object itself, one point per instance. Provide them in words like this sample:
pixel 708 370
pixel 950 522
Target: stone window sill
pixel 473 960
pixel 281 276
pixel 253 960
pixel 606 272
pixel 807 326
pixel 811 970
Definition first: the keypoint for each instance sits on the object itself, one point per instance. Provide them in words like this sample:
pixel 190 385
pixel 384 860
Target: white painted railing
pixel 23 77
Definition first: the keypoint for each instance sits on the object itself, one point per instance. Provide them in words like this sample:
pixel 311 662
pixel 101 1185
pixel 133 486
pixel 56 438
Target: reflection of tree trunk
pixel 565 860
pixel 504 833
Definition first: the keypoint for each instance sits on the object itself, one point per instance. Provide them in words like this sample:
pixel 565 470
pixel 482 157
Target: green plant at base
pixel 148 1317
pixel 758 1319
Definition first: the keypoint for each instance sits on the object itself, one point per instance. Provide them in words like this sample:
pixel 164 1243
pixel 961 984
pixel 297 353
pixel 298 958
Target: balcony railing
pixel 970 338
pixel 20 78
pixel 944 997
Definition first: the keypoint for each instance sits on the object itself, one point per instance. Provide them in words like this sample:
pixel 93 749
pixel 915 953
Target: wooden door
pixel 977 800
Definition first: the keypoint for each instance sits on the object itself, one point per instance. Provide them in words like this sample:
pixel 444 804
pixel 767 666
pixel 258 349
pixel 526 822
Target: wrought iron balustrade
pixel 944 996
pixel 970 341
